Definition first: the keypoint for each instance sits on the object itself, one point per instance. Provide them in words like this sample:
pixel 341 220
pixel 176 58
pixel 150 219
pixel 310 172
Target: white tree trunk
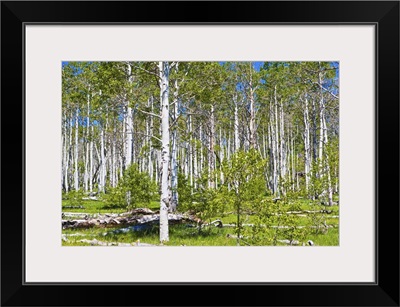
pixel 324 168
pixel 328 169
pixel 275 133
pixel 86 174
pixel 114 161
pixel 174 157
pixel 195 163
pixel 129 126
pixel 252 110
pixel 191 150
pixel 102 179
pixel 273 152
pixel 165 151
pixel 282 143
pixel 128 140
pixel 66 155
pixel 76 173
pixel 201 149
pixel 237 139
pixel 150 157
pixel 307 151
pixel 314 131
pixel 211 154
pixel 221 156
pixel 91 163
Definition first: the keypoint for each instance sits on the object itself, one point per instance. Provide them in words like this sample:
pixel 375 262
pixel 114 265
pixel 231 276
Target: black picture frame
pixel 383 14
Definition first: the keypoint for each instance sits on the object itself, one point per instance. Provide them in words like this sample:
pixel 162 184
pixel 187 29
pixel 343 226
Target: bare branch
pixel 325 89
pixel 148 135
pixel 148 71
pixel 149 113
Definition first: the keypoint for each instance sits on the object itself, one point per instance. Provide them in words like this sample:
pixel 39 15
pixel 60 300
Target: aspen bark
pixel 307 153
pixel 211 154
pixel 236 115
pixel 129 126
pixel 91 163
pixel 150 157
pixel 102 181
pixel 76 172
pixel 165 151
pixel 174 156
pixel 86 174
pixel 252 123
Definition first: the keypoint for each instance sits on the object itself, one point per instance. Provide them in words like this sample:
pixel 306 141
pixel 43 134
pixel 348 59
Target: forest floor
pixel 188 234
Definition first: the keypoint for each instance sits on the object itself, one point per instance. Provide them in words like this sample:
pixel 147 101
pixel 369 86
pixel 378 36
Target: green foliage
pixel 273 222
pixel 245 182
pixel 74 198
pixel 185 193
pixel 135 189
pixel 204 202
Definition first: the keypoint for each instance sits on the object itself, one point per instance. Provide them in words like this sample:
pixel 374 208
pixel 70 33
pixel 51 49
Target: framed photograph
pixel 247 155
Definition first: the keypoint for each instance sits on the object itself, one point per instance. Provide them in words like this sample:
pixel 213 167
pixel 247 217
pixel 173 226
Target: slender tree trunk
pixel 314 131
pixel 324 168
pixel 237 139
pixel 102 159
pixel 264 145
pixel 114 160
pixel 191 150
pixel 86 175
pixel 174 157
pixel 221 156
pixel 66 158
pixel 129 126
pixel 129 136
pixel 252 123
pixel 150 157
pixel 91 163
pixel 307 153
pixel 276 145
pixel 102 181
pixel 211 154
pixel 328 169
pixel 195 163
pixel 292 155
pixel 201 165
pixel 282 143
pixel 76 173
pixel 165 152
pixel 273 152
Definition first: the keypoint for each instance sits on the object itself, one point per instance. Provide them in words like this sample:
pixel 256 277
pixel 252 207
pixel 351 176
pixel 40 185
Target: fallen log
pixel 295 242
pixel 76 214
pixel 285 241
pixel 289 242
pixel 90 198
pixel 216 223
pixel 136 217
pixel 101 243
pixel 309 211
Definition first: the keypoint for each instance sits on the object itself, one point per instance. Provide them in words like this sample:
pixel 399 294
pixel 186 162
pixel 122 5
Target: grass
pixel 182 235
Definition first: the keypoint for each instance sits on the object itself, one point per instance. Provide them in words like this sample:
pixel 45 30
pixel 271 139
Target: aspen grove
pixel 202 137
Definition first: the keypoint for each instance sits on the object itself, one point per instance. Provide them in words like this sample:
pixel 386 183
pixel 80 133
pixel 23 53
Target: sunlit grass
pixel 189 235
pixel 182 235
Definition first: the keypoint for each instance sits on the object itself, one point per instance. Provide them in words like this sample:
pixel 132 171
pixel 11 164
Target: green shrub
pixel 184 193
pixel 74 198
pixel 135 189
pixel 268 213
pixel 245 182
